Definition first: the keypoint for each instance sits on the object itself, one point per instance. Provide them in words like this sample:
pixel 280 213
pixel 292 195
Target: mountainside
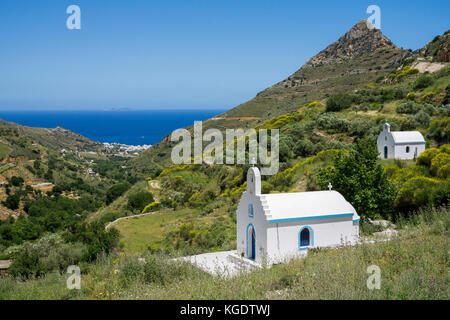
pixel 56 138
pixel 329 114
pixel 358 41
pixel 438 49
pixel 359 57
pixel 57 161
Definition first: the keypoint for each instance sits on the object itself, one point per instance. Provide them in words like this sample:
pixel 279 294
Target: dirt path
pixel 109 225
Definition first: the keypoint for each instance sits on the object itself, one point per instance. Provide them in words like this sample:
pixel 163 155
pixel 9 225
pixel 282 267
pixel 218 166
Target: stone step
pixel 243 264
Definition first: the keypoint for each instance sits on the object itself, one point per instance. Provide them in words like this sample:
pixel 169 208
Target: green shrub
pixel 332 122
pixel 12 202
pixel 444 171
pixel 152 268
pixel 425 157
pixel 440 130
pixel 361 180
pixel 360 127
pixel 116 191
pixel 413 108
pixel 16 181
pixel 421 192
pixel 423 119
pixel 423 82
pixel 26 265
pixel 439 160
pixel 139 200
pixel 339 102
pixel 49 253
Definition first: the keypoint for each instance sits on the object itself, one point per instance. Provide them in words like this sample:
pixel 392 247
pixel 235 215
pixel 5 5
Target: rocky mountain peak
pixel 361 39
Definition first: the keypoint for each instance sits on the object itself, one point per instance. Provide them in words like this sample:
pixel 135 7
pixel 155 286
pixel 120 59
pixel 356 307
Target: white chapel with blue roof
pixel 272 228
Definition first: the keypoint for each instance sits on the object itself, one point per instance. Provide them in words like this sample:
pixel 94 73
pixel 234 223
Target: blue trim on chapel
pixel 250 210
pixel 246 239
pixel 314 217
pixel 311 238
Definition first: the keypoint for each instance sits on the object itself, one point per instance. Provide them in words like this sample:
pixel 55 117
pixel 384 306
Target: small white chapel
pixel 272 228
pixel 404 145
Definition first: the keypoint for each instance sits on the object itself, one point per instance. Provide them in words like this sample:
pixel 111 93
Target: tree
pixel 116 191
pixel 423 82
pixel 139 200
pixel 16 181
pixel 12 202
pixel 361 180
pixel 339 102
pixel 36 164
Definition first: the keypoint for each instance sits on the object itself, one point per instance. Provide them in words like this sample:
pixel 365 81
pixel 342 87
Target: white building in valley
pixel 272 228
pixel 402 145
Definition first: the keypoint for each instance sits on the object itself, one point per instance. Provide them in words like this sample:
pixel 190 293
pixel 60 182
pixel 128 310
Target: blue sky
pixel 179 54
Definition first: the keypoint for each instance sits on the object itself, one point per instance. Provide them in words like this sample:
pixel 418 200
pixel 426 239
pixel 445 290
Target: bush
pixel 151 207
pixel 361 180
pixel 305 148
pixel 422 192
pixel 439 161
pixel 16 181
pixel 94 236
pixel 332 122
pixel 285 148
pixel 440 130
pixel 116 191
pixel 26 265
pixel 339 102
pixel 139 200
pixel 12 202
pixel 360 127
pixel 49 253
pixel 426 157
pixel 423 82
pixel 151 268
pixel 413 108
pixel 423 119
pixel 444 171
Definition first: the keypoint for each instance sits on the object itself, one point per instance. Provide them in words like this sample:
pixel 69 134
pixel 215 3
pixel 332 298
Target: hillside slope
pixel 359 57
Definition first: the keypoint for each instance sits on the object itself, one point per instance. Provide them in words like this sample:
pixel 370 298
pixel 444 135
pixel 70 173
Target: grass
pixel 141 232
pixel 5 150
pixel 413 266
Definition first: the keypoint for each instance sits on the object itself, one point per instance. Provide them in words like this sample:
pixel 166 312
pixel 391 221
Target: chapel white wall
pixel 283 237
pixel 385 139
pixel 258 221
pixel 400 151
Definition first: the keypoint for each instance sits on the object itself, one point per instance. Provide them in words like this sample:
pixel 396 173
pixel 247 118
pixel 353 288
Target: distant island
pixel 118 109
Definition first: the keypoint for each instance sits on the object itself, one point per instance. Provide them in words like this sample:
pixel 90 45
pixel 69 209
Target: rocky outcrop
pixel 358 41
pixel 438 49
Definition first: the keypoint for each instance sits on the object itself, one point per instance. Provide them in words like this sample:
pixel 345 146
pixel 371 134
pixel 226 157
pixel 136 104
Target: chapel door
pixel 251 243
pixel 385 152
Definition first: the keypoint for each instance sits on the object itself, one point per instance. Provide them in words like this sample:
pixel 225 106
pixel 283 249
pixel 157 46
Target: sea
pixel 130 127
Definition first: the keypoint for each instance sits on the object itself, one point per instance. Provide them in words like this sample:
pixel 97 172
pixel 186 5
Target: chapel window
pixel 305 237
pixel 250 210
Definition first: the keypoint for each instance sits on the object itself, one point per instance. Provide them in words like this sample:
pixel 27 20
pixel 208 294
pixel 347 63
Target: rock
pixel 358 41
pixel 388 234
pixel 383 223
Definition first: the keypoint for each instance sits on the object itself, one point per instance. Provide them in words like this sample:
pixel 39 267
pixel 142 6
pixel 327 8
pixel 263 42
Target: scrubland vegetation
pixel 191 209
pixel 413 266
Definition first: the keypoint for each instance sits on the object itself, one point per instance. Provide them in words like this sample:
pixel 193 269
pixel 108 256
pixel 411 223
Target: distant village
pixel 123 149
pixel 116 149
